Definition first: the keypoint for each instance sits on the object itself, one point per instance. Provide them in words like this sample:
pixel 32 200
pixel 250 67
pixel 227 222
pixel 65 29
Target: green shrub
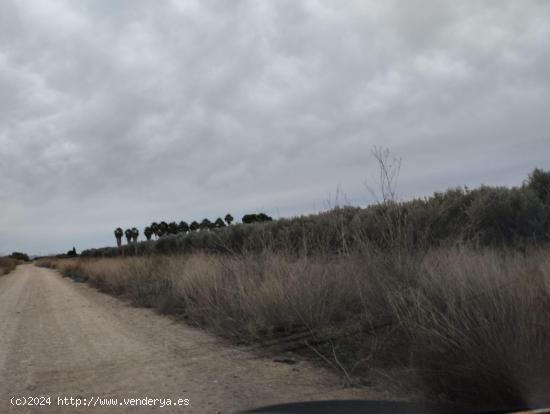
pixel 487 216
pixel 539 182
pixel 507 217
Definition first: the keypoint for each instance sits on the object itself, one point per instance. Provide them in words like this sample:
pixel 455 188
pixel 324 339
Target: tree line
pixel 158 230
pixel 516 217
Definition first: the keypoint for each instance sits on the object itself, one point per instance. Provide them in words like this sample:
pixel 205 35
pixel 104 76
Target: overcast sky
pixel 119 113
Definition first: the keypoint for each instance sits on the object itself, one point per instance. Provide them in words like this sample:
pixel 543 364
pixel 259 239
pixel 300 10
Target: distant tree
pixel 539 182
pixel 228 219
pixel 148 232
pixel 263 217
pixel 249 218
pixel 163 228
pixel 135 234
pixel 155 228
pixel 183 227
pixel 20 256
pixel 118 236
pixel 128 234
pixel 256 218
pixel 205 224
pixel 194 226
pixel 219 223
pixel 72 252
pixel 173 228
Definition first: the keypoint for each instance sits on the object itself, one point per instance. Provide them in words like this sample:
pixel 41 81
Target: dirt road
pixel 62 339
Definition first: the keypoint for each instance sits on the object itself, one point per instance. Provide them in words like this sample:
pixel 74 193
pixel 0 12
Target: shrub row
pixel 486 216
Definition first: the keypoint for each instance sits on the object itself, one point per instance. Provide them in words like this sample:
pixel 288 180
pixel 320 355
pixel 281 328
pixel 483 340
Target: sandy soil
pixel 64 339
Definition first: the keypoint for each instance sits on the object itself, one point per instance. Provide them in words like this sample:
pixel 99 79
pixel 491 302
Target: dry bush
pixel 473 325
pixel 47 262
pixel 139 278
pixel 250 296
pixel 479 326
pixel 7 264
pixel 259 296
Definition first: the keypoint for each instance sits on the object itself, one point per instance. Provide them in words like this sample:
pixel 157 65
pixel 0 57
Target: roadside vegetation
pixel 495 217
pixel 448 295
pixel 8 263
pixel 161 229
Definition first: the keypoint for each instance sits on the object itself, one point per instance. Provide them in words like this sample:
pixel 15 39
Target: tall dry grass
pixel 478 325
pixel 7 264
pixel 472 326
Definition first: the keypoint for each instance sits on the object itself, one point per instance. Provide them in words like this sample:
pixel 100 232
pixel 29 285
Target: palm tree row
pixel 131 235
pixel 163 228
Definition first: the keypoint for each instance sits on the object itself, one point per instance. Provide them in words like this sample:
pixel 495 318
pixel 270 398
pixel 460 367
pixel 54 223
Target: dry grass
pixel 472 326
pixel 479 325
pixel 7 264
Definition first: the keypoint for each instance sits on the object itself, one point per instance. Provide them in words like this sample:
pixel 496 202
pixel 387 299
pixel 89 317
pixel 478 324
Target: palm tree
pixel 219 223
pixel 163 228
pixel 128 234
pixel 173 228
pixel 194 226
pixel 135 234
pixel 183 227
pixel 228 219
pixel 148 233
pixel 118 235
pixel 205 224
pixel 155 228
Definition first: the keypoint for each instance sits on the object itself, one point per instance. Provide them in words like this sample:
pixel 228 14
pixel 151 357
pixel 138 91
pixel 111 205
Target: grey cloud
pixel 119 113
